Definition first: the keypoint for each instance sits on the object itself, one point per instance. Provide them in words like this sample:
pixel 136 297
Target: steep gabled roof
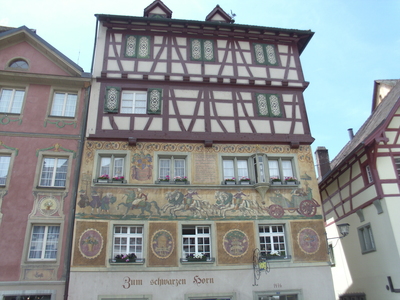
pixel 219 15
pixel 23 33
pixel 154 8
pixel 376 123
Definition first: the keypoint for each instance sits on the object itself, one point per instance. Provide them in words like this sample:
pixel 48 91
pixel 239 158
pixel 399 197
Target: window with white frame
pixel 366 238
pixel 134 102
pixel 281 168
pixel 280 296
pixel 369 174
pixel 235 167
pixel 64 104
pixel 171 167
pixel 128 239
pixel 112 165
pixel 272 240
pixel 44 242
pixel 54 172
pixel 11 100
pixel 4 168
pixel 196 239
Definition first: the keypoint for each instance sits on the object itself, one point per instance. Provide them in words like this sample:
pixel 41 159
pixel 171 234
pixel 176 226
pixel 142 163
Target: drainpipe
pixel 71 219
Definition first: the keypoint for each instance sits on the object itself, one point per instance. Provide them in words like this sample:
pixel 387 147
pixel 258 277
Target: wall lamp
pixel 343 229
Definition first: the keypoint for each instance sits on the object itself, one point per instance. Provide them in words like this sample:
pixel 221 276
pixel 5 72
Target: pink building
pixel 43 100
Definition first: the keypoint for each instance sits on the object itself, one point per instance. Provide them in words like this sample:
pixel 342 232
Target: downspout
pixel 71 219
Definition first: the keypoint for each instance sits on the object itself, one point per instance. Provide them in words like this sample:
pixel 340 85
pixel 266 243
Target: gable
pixel 38 62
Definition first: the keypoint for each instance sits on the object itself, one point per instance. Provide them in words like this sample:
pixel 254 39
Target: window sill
pixel 285 183
pixel 237 183
pixel 138 261
pixel 51 187
pixel 109 181
pixel 277 258
pixel 184 261
pixel 172 182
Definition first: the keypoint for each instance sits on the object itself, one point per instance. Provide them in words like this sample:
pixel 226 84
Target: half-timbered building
pixel 43 96
pixel 360 187
pixel 197 179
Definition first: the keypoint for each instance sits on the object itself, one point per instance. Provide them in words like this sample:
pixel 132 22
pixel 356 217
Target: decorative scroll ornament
pixel 130 49
pixel 274 104
pixel 262 105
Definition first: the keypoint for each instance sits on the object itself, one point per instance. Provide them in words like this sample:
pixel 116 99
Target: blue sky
pixel 355 43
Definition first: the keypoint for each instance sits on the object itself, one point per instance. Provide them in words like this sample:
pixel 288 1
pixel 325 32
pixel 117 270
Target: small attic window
pixel 19 64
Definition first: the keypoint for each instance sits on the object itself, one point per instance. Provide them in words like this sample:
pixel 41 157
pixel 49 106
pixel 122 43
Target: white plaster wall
pixel 89 285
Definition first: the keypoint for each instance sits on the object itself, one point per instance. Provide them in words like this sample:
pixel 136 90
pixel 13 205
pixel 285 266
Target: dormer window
pixel 19 64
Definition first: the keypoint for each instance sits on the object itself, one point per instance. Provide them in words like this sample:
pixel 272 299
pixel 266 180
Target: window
pixel 281 168
pixel 11 100
pixel 397 163
pixel 4 168
pixel 355 296
pixel 265 55
pixel 133 102
pixel 235 168
pixel 366 238
pixel 369 174
pixel 171 166
pixel 64 104
pixel 29 297
pixel 112 165
pixel 272 240
pixel 195 240
pixel 127 240
pixel 279 297
pixel 44 242
pixel 268 105
pixel 19 64
pixel 54 172
pixel 202 50
pixel 331 255
pixel 137 46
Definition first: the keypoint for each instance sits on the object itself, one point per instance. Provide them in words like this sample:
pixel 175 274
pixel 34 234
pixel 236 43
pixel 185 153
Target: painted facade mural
pixel 144 196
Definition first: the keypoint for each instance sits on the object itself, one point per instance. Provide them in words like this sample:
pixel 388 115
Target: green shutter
pixel 154 101
pixel 208 50
pixel 262 105
pixel 270 55
pixel 143 46
pixel 274 105
pixel 111 101
pixel 130 46
pixel 196 49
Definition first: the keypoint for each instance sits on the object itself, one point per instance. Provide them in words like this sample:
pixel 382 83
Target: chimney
pixel 323 164
pixel 351 133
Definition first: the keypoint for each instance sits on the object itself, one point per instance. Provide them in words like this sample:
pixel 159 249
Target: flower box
pixel 230 182
pixel 277 182
pixel 246 182
pixel 193 259
pixel 290 182
pixel 180 182
pixel 124 261
pixel 98 180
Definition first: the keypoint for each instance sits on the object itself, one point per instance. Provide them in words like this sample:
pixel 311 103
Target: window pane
pixel 52 242
pixel 140 103
pixel 17 103
pixel 164 168
pixel 229 171
pixel 242 168
pixel 58 104
pixel 47 172
pixel 61 172
pixel 105 166
pixel 70 105
pixel 4 166
pixel 179 167
pixel 37 239
pixel 287 168
pixel 118 166
pixel 273 168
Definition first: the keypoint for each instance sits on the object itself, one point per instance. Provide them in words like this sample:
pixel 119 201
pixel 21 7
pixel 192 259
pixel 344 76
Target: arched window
pixel 19 64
